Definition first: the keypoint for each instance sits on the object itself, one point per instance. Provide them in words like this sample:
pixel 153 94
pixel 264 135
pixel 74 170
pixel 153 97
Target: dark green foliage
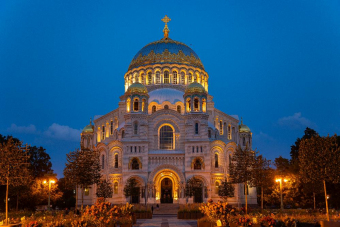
pixel 131 188
pixel 193 186
pixel 104 189
pixel 40 162
pixel 241 169
pixel 226 190
pixel 82 169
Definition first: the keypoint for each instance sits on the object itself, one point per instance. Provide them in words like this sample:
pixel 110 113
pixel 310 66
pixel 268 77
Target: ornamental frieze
pixel 166 57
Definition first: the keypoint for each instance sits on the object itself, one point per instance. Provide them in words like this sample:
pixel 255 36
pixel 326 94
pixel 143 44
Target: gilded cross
pixel 166 19
pixel 166 30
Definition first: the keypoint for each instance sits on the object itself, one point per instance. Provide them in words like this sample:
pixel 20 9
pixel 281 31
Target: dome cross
pixel 166 30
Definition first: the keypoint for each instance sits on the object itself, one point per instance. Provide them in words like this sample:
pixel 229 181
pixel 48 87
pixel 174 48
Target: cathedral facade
pixel 166 131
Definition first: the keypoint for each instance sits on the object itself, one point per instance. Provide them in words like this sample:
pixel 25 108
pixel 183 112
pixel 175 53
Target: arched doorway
pixel 166 191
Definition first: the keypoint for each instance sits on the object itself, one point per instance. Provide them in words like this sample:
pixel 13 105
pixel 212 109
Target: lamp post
pixel 280 180
pixel 50 181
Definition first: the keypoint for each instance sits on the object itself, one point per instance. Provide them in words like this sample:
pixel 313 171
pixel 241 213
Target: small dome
pixel 137 88
pixel 89 128
pixel 243 128
pixel 194 88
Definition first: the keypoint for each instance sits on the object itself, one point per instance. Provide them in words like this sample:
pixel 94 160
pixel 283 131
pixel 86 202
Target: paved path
pixel 165 221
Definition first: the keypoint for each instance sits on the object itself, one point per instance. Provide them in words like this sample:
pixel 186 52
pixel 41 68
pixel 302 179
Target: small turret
pixel 195 98
pixel 136 98
pixel 245 135
pixel 87 136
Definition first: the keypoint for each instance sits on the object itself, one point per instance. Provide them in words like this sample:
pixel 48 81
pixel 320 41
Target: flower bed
pixel 190 211
pixel 99 215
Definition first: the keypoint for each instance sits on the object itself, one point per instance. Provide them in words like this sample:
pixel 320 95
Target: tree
pixel 193 187
pixel 83 169
pixel 13 165
pixel 294 151
pixel 226 190
pixel 241 169
pixel 319 159
pixel 104 189
pixel 67 200
pixel 40 162
pixel 131 189
pixel 263 174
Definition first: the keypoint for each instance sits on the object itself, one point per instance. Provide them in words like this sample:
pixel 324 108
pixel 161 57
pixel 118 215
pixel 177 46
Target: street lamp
pixel 280 180
pixel 50 181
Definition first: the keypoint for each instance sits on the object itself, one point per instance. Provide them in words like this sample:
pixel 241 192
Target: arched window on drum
pixel 182 78
pixel 166 137
pixel 149 78
pixel 158 78
pixel 166 77
pixel 174 77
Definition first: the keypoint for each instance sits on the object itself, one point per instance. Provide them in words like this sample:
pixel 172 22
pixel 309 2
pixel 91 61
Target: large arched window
pixel 166 77
pixel 166 138
pixel 216 160
pixel 190 78
pixel 135 164
pixel 158 78
pixel 136 105
pixel 116 160
pixel 149 78
pixel 153 109
pixel 174 80
pixel 166 107
pixel 115 188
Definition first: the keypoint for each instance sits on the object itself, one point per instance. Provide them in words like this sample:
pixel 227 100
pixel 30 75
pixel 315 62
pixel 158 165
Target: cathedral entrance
pixel 166 191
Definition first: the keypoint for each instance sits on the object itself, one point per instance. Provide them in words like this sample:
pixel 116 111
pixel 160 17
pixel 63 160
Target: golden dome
pixel 89 128
pixel 137 88
pixel 195 88
pixel 243 128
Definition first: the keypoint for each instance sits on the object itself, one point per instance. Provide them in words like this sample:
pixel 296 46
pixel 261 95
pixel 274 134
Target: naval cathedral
pixel 166 130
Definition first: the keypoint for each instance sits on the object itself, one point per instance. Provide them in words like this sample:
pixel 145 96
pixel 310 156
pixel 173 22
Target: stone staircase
pixel 166 209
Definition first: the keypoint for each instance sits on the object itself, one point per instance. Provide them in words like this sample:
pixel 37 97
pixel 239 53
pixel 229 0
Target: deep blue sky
pixel 275 63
